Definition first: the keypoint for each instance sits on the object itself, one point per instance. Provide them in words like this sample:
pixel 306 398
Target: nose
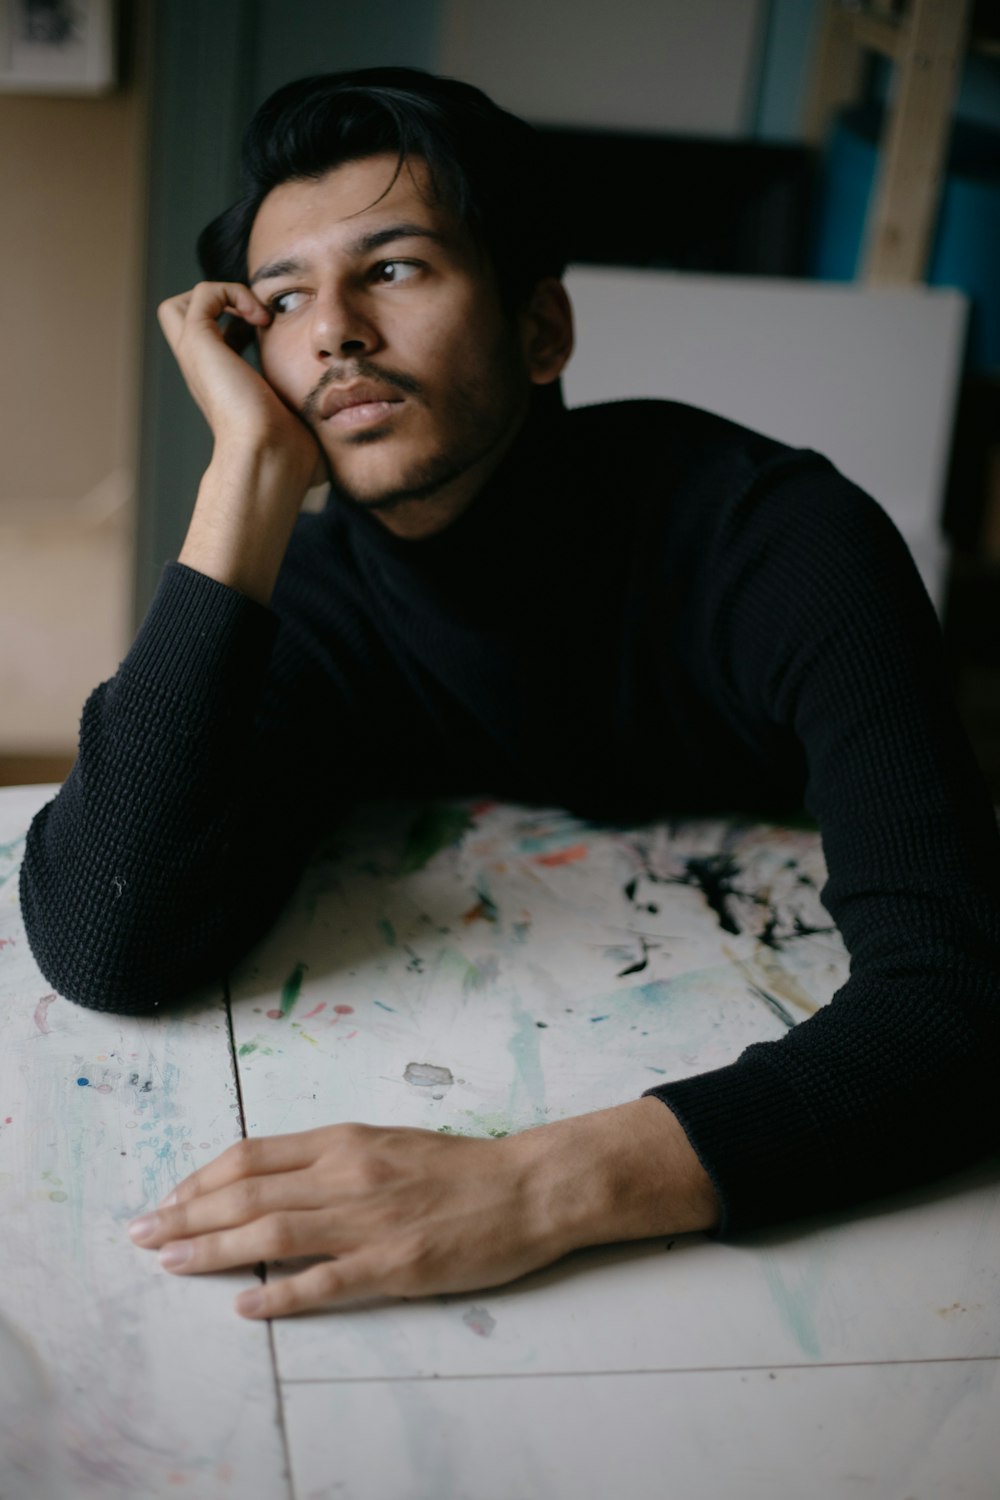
pixel 342 326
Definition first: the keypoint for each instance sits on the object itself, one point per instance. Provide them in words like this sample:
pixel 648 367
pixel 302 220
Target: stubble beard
pixel 484 416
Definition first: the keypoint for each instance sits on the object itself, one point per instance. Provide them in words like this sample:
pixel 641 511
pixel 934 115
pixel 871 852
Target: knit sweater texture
pixel 647 611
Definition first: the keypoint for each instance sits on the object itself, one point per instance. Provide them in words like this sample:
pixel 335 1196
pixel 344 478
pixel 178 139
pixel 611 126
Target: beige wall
pixel 72 211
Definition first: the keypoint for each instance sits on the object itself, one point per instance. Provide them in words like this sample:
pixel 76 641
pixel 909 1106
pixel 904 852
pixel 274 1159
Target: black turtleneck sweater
pixel 647 610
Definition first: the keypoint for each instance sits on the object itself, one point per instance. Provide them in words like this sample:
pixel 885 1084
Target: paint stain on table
pixel 428 1075
pixel 42 1014
pixel 562 856
pixel 480 1321
pixel 290 992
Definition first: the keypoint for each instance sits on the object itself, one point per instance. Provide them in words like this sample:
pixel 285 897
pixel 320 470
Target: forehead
pixel 345 203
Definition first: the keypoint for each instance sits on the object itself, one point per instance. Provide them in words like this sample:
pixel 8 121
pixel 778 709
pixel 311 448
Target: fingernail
pixel 172 1256
pixel 145 1228
pixel 169 1200
pixel 249 1303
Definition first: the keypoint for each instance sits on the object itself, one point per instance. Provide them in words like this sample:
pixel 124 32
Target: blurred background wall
pixel 103 198
pixel 72 231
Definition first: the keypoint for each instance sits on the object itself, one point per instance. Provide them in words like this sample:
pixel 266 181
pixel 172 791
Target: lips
pixel 344 397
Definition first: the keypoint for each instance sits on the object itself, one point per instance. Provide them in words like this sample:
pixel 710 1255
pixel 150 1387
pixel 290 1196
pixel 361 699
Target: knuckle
pixel 247 1195
pixel 277 1237
pixel 248 1154
pixel 370 1174
pixel 329 1281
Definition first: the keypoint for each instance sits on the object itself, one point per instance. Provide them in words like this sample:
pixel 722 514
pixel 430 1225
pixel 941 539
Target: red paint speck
pixel 344 1010
pixel 275 1015
pixel 7 943
pixel 316 1010
pixel 475 913
pixel 8 1119
pixel 562 856
pixel 478 808
pixel 41 1013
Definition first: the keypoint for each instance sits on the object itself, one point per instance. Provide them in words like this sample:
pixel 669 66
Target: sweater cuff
pixel 200 642
pixel 749 1130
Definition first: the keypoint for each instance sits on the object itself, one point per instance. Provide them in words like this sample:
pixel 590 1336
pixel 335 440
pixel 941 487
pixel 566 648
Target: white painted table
pixel 477 968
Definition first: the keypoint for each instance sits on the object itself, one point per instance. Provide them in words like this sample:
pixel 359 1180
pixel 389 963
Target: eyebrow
pixel 364 245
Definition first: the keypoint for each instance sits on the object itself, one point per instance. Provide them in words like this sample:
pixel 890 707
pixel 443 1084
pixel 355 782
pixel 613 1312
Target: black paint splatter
pixel 640 963
pixel 713 875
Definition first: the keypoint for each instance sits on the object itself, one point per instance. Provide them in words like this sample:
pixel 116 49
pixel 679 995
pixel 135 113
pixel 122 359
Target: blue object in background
pixel 965 251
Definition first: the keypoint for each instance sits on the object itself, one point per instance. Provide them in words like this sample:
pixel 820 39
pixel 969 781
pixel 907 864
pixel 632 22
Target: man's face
pixel 388 338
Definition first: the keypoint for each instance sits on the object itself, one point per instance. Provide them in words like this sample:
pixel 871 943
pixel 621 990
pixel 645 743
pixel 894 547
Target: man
pixel 760 636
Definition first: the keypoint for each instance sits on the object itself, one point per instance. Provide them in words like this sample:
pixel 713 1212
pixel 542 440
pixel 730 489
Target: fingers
pixel 341 1280
pixel 253 1157
pixel 206 303
pixel 210 299
pixel 277 1236
pixel 239 1204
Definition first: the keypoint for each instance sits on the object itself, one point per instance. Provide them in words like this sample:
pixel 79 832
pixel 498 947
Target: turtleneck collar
pixel 491 523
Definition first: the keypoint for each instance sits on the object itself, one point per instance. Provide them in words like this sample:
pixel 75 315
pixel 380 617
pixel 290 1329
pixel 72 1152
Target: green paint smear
pixel 495 1125
pixel 250 1047
pixel 387 930
pixel 433 829
pixel 292 987
pixel 528 1085
pixel 796 1303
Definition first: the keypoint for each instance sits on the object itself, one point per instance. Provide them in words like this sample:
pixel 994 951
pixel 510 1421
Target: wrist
pixel 248 501
pixel 623 1173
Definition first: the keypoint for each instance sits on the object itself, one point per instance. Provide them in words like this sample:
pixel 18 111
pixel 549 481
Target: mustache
pixel 360 371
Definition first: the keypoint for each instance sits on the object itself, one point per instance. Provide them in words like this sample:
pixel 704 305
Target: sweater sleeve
pixel 182 826
pixel 822 630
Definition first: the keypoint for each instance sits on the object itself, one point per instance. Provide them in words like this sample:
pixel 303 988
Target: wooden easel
pixel 926 40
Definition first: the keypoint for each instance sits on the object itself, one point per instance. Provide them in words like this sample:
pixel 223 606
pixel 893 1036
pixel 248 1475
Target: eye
pixel 284 302
pixel 388 272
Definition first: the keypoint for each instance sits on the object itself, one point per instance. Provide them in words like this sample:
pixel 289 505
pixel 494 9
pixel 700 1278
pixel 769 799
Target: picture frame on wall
pixel 57 46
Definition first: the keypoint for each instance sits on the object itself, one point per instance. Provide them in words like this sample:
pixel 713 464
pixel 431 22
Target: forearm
pixel 891 1083
pixel 134 877
pixel 624 1173
pixel 247 504
pixel 264 458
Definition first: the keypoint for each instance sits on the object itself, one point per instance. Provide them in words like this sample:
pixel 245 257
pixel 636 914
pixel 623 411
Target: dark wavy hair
pixel 484 163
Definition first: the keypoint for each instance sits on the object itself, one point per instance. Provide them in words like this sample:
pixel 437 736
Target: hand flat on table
pixel 408 1212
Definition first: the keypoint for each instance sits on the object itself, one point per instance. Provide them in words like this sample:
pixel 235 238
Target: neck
pixel 424 517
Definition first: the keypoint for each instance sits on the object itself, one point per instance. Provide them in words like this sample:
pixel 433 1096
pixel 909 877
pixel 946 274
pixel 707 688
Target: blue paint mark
pixel 384 1006
pixel 83 1082
pixel 556 836
pixel 528 1084
pixel 598 1018
pixel 655 1070
pixel 656 990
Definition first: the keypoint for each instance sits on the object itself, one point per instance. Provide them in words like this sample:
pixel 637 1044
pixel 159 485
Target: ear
pixel 546 328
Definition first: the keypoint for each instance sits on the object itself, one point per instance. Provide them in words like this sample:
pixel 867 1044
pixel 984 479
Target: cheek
pixel 277 367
